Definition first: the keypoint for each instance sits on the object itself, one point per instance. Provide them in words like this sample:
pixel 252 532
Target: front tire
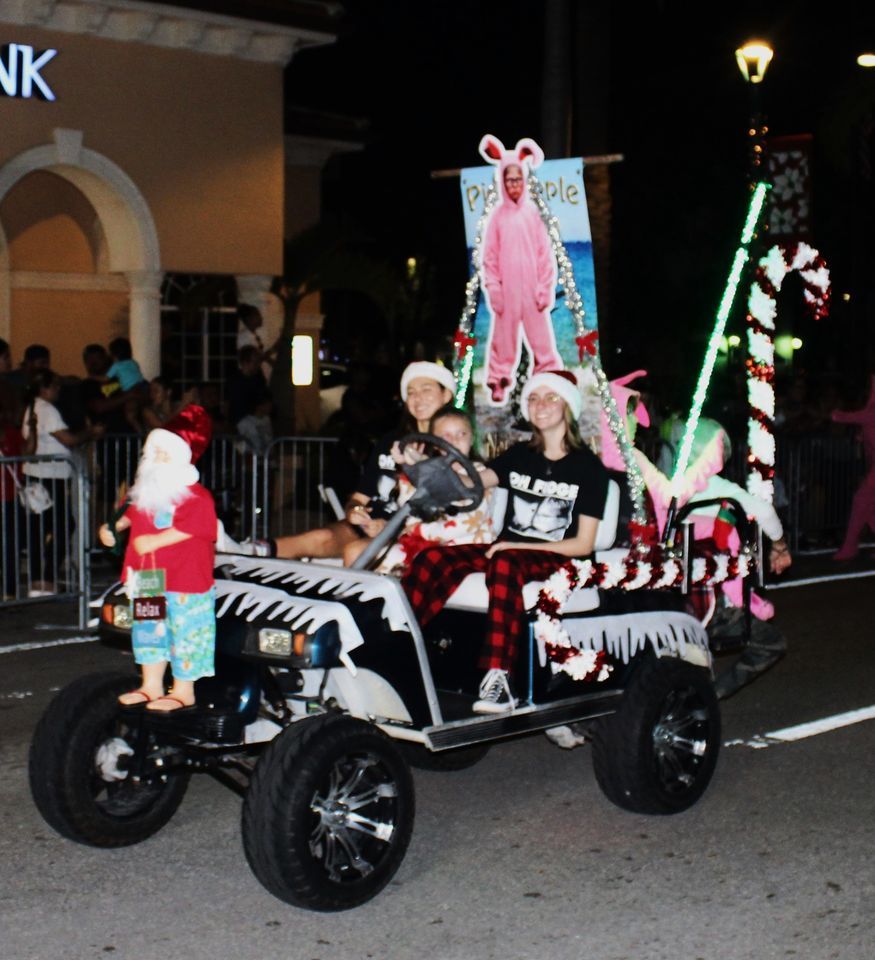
pixel 328 814
pixel 78 777
pixel 657 753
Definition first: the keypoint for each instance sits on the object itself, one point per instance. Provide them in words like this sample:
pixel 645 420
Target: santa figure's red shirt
pixel 188 565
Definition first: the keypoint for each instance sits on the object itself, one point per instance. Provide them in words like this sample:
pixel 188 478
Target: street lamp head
pixel 753 60
pixel 866 60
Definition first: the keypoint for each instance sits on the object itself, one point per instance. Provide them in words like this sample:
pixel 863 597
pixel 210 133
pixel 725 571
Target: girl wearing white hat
pixel 556 494
pixel 425 388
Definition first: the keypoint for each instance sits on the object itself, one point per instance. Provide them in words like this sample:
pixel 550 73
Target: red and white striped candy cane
pixel 761 311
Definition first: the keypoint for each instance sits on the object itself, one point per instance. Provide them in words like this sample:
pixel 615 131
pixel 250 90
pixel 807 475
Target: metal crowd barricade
pixel 278 494
pixel 228 468
pixel 44 546
pixel 820 475
pixel 293 470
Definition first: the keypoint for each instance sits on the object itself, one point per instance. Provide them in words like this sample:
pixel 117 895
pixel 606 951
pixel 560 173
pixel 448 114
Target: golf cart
pixel 327 691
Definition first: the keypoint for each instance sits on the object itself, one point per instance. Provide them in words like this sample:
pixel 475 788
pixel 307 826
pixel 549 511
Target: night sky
pixel 656 82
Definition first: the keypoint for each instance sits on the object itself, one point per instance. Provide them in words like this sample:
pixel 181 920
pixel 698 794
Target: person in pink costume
pixel 518 270
pixel 863 507
pixel 701 481
pixel 624 397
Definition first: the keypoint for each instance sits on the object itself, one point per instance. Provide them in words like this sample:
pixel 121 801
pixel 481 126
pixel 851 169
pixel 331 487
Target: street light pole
pixel 753 60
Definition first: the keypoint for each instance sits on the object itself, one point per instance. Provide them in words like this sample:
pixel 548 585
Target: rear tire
pixel 328 814
pixel 76 766
pixel 657 753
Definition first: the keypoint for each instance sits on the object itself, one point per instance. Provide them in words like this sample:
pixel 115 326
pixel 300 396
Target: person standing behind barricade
pixel 36 357
pixel 46 434
pixel 104 404
pixel 249 401
pixel 250 335
pixel 10 482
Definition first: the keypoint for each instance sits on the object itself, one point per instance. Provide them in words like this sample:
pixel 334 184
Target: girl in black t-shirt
pixel 556 494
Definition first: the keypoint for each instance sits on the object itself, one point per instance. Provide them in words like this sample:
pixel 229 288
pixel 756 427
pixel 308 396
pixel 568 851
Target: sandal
pixel 135 703
pixel 152 708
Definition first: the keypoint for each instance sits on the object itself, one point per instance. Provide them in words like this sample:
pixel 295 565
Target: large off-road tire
pixel 77 775
pixel 445 760
pixel 657 753
pixel 328 814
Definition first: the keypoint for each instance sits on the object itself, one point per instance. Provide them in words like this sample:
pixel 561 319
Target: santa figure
pixel 168 565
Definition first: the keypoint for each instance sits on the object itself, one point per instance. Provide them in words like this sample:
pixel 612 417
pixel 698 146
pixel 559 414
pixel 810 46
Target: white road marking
pixel 16 695
pixel 43 644
pixel 803 730
pixel 827 578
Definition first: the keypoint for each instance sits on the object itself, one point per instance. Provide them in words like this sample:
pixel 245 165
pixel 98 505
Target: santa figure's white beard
pixel 159 487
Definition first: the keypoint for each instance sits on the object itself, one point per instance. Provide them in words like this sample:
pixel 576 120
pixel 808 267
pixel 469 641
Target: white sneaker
pixel 566 737
pixel 253 548
pixel 495 693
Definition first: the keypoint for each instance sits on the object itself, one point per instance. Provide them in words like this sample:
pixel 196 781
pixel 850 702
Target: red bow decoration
pixel 587 344
pixel 462 341
pixel 645 533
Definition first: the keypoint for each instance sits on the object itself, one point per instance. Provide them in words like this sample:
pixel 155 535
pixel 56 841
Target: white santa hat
pixel 428 371
pixel 177 451
pixel 562 382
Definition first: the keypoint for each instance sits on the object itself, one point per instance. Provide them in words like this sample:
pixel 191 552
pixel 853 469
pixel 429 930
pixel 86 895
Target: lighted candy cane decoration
pixel 761 311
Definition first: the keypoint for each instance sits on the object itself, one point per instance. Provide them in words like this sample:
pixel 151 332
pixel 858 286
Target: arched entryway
pixel 128 255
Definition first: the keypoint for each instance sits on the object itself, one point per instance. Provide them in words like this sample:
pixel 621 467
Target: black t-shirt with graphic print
pixel 546 496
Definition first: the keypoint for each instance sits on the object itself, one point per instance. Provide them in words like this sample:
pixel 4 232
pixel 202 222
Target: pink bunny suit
pixel 519 274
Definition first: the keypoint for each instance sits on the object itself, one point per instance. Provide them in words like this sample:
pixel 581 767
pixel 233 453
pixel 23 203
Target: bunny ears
pixel 526 152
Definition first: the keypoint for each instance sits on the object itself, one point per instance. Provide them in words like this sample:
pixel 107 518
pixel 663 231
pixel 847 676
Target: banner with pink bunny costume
pixel 530 249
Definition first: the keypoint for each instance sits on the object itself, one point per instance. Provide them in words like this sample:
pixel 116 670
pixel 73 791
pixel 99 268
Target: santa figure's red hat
pixel 194 425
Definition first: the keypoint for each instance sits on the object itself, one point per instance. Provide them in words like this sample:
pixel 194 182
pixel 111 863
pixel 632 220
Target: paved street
pixel 518 857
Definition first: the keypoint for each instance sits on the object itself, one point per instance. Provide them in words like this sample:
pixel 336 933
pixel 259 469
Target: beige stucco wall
pixel 65 321
pixel 200 136
pixel 303 191
pixel 54 238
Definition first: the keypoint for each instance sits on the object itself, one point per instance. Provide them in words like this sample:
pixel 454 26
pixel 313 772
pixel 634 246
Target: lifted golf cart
pixel 327 691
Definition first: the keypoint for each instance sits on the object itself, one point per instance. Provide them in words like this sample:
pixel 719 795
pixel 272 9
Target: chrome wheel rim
pixel 356 813
pixel 681 740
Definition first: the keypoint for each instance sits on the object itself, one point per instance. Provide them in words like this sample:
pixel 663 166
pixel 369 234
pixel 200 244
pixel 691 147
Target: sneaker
pixel 566 737
pixel 495 693
pixel 254 548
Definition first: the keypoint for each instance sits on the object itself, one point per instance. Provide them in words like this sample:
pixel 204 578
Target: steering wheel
pixel 439 488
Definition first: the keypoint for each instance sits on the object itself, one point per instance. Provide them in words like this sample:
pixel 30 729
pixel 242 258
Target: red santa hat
pixel 194 425
pixel 427 371
pixel 562 382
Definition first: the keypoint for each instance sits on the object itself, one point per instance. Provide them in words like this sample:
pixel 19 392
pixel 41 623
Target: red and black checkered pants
pixel 437 571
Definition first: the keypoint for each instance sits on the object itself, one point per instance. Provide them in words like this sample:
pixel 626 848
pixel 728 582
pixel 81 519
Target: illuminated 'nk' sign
pixel 20 67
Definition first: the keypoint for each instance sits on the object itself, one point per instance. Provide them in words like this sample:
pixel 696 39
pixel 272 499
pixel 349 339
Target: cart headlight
pixel 277 643
pixel 117 615
pixel 319 649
